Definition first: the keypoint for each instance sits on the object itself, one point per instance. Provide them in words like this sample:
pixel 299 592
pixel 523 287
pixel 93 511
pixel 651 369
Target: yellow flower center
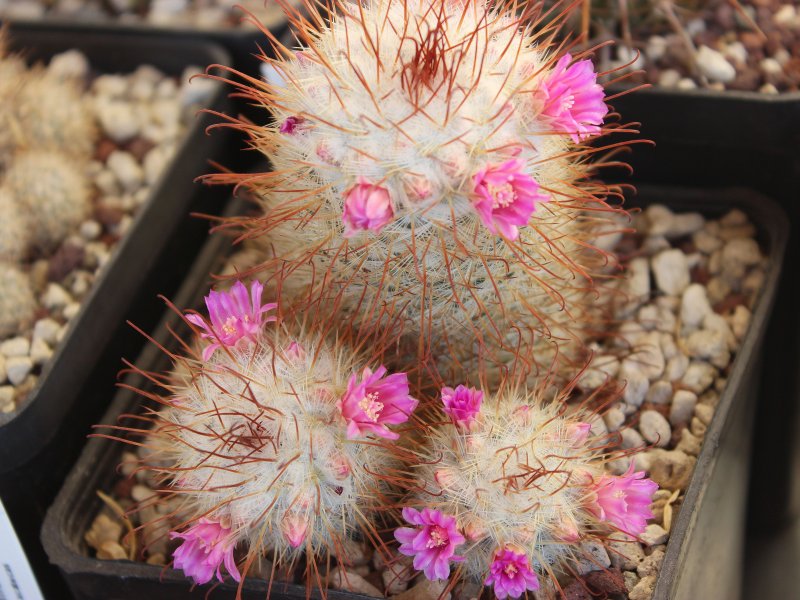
pixel 510 570
pixel 438 537
pixel 371 407
pixel 502 195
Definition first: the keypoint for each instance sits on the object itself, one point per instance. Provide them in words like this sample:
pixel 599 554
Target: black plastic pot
pixel 39 444
pixel 242 44
pixel 704 551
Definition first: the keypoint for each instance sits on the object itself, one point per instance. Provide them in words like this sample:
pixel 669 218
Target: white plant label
pixel 16 576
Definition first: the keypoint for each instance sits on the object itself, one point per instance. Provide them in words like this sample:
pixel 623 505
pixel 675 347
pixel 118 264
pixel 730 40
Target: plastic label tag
pixel 16 577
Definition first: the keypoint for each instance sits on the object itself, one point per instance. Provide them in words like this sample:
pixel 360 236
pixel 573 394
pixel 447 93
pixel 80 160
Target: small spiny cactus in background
pixel 15 230
pixel 274 439
pixel 512 490
pixel 430 171
pixel 52 192
pixel 12 71
pixel 51 113
pixel 17 303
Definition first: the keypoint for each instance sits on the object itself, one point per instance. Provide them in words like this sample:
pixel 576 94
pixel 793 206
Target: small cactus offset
pixel 274 440
pixel 15 230
pixel 52 193
pixel 513 491
pixel 17 302
pixel 430 171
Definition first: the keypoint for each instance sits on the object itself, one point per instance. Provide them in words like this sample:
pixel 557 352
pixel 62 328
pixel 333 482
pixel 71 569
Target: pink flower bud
pixel 294 529
pixel 567 530
pixel 445 478
pixel 366 207
pixel 295 352
pixel 475 530
pixel 291 124
pixel 340 467
pixel 578 433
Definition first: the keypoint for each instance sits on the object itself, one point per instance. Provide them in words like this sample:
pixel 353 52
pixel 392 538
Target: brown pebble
pixel 156 559
pixel 700 274
pixel 139 148
pixel 340 579
pixel 577 590
pixel 426 590
pixel 123 487
pixel 752 40
pixel 607 581
pixel 729 303
pixel 66 259
pixel 111 551
pixel 104 149
pixel 108 215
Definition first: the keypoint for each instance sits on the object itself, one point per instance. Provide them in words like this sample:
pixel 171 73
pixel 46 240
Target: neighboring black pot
pixel 704 551
pixel 242 44
pixel 39 443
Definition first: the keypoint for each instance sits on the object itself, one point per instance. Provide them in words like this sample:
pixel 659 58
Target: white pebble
pixel 656 47
pixel 740 321
pixel 6 398
pixel 655 428
pixel 654 535
pixel 631 439
pixel 118 120
pixel 669 78
pixel 676 367
pixel 705 242
pixel 694 306
pixel 671 271
pixel 46 330
pixel 706 343
pixel 154 163
pixel 785 15
pixel 90 230
pixel 55 297
pixel 714 66
pixel 736 52
pixel 18 346
pixel 686 84
pixel 614 418
pixel 769 88
pixel 592 556
pixel 40 352
pixel 71 310
pixel 110 86
pixel 659 393
pixel 682 409
pixel 126 169
pixel 18 368
pixel 770 66
pixel 699 376
pixel 636 383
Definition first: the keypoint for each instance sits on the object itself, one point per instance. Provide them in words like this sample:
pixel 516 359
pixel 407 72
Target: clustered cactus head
pixel 17 302
pixel 510 489
pixel 51 192
pixel 430 170
pixel 275 439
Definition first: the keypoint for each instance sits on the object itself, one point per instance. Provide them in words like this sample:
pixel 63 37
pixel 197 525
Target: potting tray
pixel 704 552
pixel 26 432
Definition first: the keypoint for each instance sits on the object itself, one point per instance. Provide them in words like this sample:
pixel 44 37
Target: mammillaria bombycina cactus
pixel 17 302
pixel 15 231
pixel 52 192
pixel 274 439
pixel 431 171
pixel 512 490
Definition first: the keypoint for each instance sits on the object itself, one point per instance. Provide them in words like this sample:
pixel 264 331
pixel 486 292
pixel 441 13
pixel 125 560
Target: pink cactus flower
pixel 376 401
pixel 206 547
pixel 462 405
pixel 511 574
pixel 578 433
pixel 291 124
pixel 624 501
pixel 571 97
pixel 505 197
pixel 432 543
pixel 234 316
pixel 366 207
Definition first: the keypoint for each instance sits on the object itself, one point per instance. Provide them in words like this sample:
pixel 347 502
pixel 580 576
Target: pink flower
pixel 295 352
pixel 206 546
pixel 234 316
pixel 375 402
pixel 366 206
pixel 624 501
pixel 511 574
pixel 291 124
pixel 572 98
pixel 462 405
pixel 432 543
pixel 505 197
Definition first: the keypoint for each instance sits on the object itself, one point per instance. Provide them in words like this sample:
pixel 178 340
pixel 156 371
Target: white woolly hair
pixel 516 478
pixel 411 93
pixel 255 436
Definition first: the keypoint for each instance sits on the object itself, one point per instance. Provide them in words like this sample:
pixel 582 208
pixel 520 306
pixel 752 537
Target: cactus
pixel 52 114
pixel 12 72
pixel 52 192
pixel 274 439
pixel 430 172
pixel 515 490
pixel 17 303
pixel 15 231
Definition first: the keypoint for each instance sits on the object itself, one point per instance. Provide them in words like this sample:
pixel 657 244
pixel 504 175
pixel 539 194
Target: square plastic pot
pixel 705 549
